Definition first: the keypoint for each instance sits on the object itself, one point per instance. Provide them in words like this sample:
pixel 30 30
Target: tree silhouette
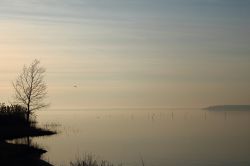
pixel 30 88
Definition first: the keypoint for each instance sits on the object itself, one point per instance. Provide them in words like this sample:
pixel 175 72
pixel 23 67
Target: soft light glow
pixel 130 53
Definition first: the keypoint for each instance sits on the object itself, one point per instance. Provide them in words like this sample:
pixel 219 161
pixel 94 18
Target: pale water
pixel 160 137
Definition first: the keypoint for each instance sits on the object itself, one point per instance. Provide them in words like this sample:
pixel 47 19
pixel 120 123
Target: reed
pixel 90 160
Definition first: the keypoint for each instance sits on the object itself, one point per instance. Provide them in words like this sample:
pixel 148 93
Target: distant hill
pixel 229 108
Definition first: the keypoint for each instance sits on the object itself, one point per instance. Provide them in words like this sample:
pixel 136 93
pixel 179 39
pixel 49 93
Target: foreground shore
pixel 21 154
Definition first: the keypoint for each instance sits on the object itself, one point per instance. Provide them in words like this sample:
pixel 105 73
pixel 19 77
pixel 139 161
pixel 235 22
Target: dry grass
pixel 90 160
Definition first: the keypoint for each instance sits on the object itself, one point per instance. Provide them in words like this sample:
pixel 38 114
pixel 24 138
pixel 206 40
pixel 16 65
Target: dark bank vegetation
pixel 13 125
pixel 12 115
pixel 21 155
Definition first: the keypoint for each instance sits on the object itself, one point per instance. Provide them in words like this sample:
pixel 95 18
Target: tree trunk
pixel 27 117
pixel 28 114
pixel 28 141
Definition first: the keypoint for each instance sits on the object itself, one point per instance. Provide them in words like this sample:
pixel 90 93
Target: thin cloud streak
pixel 160 53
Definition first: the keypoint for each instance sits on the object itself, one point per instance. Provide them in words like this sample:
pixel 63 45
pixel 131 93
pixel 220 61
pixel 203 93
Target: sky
pixel 129 54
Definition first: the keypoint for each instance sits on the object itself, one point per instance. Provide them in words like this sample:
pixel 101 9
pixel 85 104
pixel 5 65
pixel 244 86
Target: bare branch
pixel 30 87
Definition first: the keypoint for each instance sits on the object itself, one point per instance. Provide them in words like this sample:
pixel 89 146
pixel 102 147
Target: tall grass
pixel 90 160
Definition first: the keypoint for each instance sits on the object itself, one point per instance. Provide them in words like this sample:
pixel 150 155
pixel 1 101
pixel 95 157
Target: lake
pixel 159 137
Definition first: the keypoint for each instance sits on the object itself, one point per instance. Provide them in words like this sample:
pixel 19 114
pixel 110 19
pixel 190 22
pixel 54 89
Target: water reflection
pixel 25 141
pixel 160 137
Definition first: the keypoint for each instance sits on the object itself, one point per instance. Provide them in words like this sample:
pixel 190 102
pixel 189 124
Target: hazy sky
pixel 130 53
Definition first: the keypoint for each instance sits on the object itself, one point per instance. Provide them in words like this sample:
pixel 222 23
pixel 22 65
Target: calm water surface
pixel 159 137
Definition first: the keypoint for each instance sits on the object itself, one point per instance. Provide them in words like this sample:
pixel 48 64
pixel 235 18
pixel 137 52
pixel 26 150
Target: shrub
pixel 13 115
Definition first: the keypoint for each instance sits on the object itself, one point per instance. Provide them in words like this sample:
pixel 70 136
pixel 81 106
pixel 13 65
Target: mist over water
pixel 186 137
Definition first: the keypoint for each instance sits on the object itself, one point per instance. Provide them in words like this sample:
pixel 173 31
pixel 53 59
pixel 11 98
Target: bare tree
pixel 30 88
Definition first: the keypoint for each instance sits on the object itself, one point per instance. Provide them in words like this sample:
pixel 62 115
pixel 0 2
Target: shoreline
pixel 21 154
